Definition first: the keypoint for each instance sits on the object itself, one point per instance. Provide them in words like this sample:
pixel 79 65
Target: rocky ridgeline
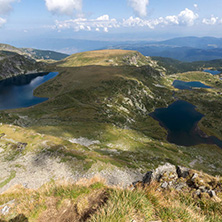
pixel 184 179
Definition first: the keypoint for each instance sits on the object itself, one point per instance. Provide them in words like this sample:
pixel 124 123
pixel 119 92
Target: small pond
pixel 17 92
pixel 213 72
pixel 188 85
pixel 180 119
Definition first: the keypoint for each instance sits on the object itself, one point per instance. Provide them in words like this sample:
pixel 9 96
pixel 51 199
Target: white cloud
pixel 195 6
pixel 102 22
pixel 212 21
pixel 172 19
pixel 103 18
pixel 5 6
pixel 187 17
pixel 64 7
pixel 139 7
pixel 2 22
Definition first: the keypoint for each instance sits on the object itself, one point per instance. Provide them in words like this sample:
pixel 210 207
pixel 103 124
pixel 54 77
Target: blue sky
pixel 109 19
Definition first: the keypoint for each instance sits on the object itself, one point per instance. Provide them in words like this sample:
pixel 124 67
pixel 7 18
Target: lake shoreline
pixel 184 138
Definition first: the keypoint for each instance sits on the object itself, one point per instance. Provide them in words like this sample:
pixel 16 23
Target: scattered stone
pixel 180 186
pixel 164 185
pixel 194 176
pixel 5 210
pixel 21 146
pixel 182 178
pixel 212 193
pixel 183 172
pixel 148 177
pixel 167 169
pixel 198 193
pixel 84 141
pixel 203 189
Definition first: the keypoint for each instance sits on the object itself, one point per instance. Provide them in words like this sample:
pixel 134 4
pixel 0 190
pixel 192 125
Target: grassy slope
pixel 104 58
pixel 111 104
pixel 93 201
pixel 176 66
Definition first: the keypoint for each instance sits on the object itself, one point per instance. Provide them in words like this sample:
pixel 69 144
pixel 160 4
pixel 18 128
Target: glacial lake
pixel 180 120
pixel 17 92
pixel 213 72
pixel 189 85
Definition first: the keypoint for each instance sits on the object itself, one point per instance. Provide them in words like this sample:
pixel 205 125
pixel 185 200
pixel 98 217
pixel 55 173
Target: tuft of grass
pixel 125 205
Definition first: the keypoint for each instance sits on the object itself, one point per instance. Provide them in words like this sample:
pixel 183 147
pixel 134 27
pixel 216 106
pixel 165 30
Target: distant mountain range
pixel 33 53
pixel 187 49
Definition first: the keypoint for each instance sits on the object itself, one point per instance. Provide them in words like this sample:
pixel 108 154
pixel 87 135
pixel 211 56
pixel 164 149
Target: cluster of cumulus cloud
pixel 73 8
pixel 68 7
pixel 185 18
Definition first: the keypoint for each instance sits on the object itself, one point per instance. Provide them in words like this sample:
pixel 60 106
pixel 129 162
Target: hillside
pixel 15 61
pixel 97 122
pixel 177 196
pixel 13 64
pixel 176 66
pixel 34 53
pixel 104 58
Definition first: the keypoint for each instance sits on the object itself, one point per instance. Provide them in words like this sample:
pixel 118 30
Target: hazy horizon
pixel 122 20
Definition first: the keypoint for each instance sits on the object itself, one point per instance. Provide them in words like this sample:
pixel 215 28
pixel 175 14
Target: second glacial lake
pixel 213 72
pixel 189 85
pixel 17 92
pixel 180 120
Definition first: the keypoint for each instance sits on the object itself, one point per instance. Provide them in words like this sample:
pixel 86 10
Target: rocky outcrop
pixel 181 178
pixel 15 64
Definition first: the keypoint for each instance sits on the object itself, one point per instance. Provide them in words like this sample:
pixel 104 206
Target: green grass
pixel 110 204
pixel 6 181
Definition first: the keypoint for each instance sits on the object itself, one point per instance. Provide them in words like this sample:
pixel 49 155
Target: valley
pixel 96 122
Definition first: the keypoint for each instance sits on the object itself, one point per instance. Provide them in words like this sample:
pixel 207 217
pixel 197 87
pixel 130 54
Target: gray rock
pixel 180 186
pixel 164 185
pixel 198 192
pixel 194 176
pixel 212 193
pixel 183 171
pixel 5 210
pixel 147 178
pixel 203 189
pixel 166 168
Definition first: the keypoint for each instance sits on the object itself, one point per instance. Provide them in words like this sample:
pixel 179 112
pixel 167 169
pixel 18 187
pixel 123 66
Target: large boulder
pixel 165 171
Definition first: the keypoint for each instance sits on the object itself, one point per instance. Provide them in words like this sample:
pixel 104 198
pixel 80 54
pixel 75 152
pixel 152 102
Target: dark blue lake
pixel 17 92
pixel 180 119
pixel 213 72
pixel 188 85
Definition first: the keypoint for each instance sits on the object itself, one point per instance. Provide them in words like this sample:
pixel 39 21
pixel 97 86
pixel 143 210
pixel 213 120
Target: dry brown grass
pixel 92 201
pixel 99 57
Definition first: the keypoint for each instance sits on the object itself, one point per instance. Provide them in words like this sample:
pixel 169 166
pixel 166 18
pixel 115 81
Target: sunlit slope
pixel 114 57
pixel 111 104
